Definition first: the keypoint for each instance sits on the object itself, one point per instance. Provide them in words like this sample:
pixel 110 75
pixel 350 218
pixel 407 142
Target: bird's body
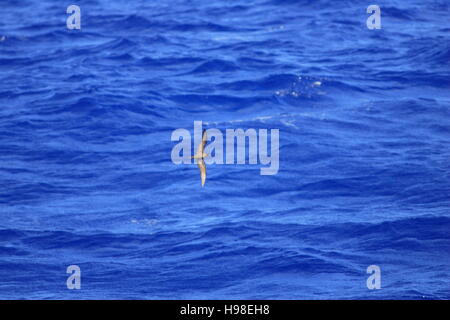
pixel 199 156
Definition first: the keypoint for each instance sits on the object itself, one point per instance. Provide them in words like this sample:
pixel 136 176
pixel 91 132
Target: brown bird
pixel 199 156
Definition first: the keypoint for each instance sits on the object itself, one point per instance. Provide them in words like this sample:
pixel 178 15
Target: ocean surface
pixel 86 175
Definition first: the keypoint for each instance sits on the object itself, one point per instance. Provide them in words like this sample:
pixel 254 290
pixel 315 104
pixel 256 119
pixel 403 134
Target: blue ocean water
pixel 85 137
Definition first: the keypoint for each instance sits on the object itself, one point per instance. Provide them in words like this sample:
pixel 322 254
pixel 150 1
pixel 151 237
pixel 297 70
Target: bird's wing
pixel 201 145
pixel 202 167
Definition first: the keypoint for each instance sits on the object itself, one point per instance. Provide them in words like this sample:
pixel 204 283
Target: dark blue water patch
pixel 85 141
pixel 242 250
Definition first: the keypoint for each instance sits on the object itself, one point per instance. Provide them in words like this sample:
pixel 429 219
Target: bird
pixel 200 155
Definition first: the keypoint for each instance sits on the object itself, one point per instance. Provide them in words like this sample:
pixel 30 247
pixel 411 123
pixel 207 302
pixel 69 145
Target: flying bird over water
pixel 200 155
